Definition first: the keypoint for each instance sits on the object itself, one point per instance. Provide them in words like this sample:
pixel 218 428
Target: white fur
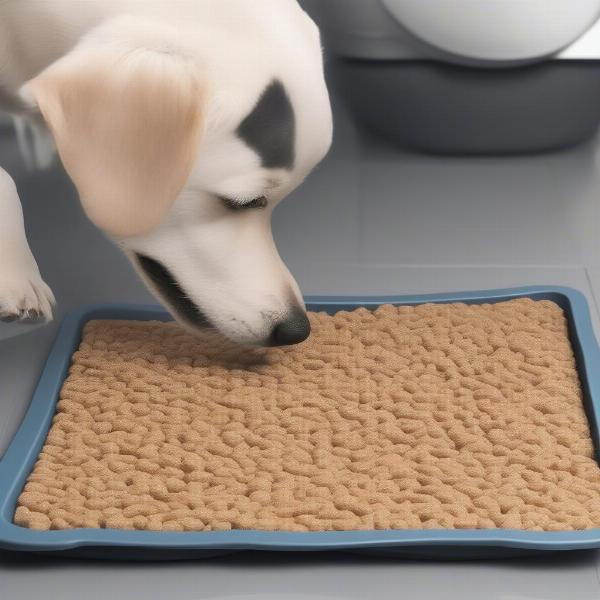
pixel 23 293
pixel 225 261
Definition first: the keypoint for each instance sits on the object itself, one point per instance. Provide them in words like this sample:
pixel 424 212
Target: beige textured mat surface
pixel 433 416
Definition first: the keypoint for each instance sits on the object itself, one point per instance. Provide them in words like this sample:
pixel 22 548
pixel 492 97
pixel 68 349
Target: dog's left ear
pixel 127 128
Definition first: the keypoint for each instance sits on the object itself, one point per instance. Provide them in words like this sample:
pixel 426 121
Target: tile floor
pixel 371 220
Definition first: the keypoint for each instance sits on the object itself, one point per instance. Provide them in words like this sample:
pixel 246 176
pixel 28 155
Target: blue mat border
pixel 25 447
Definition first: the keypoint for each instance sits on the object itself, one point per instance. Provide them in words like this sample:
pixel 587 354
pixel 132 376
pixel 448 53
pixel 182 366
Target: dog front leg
pixel 24 295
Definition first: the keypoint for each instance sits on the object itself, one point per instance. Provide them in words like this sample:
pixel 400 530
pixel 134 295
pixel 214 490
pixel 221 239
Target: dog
pixel 182 124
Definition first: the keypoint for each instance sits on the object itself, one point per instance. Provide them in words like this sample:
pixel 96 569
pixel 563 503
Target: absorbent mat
pixel 436 416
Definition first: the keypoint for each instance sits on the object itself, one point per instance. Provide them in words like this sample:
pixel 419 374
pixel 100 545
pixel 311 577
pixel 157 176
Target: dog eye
pixel 260 202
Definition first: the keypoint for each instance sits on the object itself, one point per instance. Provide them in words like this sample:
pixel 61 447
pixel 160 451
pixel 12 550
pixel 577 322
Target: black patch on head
pixel 270 129
pixel 167 285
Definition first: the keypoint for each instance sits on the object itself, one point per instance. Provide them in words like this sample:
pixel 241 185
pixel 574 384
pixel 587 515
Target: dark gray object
pixel 440 108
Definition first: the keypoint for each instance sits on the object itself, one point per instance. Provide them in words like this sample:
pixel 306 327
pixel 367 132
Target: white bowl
pixel 467 76
pixel 496 30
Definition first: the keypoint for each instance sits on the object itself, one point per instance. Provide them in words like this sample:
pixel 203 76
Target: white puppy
pixel 182 124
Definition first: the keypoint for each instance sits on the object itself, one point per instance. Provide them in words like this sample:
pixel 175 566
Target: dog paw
pixel 25 299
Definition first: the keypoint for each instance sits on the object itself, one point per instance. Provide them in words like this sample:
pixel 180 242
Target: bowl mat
pixel 429 416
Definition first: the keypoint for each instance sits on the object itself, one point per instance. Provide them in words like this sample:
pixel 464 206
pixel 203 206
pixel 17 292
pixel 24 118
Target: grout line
pixel 383 265
pixel 470 266
pixel 361 234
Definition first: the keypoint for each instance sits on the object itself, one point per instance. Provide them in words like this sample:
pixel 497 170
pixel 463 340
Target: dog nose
pixel 295 329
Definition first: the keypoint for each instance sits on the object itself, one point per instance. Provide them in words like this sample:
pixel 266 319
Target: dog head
pixel 181 143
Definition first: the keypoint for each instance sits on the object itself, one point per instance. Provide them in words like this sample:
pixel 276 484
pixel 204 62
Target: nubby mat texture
pixel 425 417
pixel 464 425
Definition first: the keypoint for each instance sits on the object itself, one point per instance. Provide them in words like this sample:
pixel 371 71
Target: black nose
pixel 295 329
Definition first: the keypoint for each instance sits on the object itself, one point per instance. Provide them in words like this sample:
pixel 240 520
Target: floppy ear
pixel 127 128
